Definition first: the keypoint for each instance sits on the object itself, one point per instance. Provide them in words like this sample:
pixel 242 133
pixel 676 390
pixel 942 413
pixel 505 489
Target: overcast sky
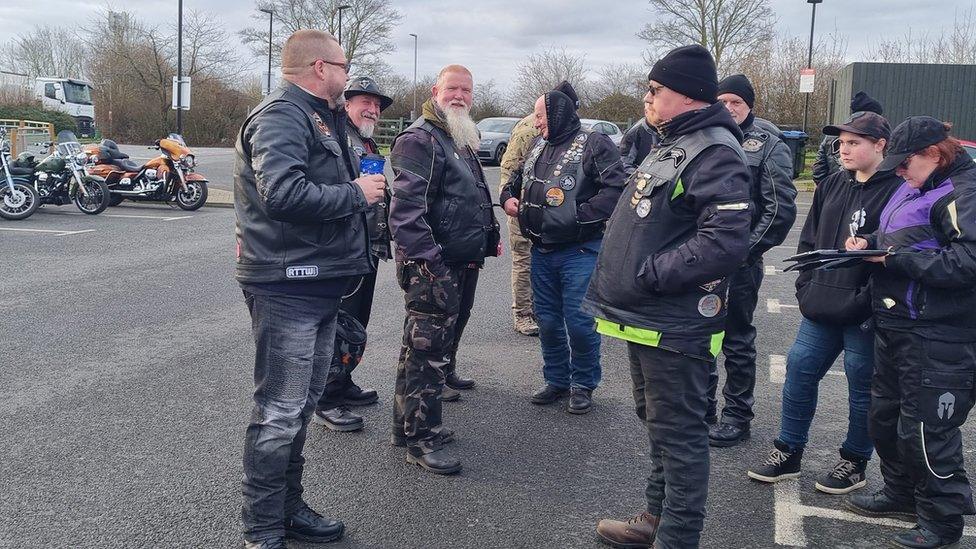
pixel 492 38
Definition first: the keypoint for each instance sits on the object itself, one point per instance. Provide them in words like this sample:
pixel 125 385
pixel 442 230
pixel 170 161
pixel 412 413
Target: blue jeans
pixel 816 348
pixel 293 336
pixel 559 281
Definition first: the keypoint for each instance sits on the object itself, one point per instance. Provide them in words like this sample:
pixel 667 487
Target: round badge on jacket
pixel 643 208
pixel 567 183
pixel 709 306
pixel 555 197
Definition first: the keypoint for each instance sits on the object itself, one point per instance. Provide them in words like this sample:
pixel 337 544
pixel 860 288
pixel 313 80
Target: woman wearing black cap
pixel 925 349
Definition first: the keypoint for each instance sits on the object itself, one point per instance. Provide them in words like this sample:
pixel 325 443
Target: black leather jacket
pixel 299 215
pixel 771 190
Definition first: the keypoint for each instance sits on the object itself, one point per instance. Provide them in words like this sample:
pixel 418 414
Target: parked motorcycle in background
pixel 61 177
pixel 18 199
pixel 169 177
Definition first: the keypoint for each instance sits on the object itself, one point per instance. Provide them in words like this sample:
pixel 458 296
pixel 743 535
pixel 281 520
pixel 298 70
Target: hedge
pixel 61 120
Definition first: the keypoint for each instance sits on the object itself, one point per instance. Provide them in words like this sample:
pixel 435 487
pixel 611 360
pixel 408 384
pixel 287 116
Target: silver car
pixel 606 128
pixel 495 135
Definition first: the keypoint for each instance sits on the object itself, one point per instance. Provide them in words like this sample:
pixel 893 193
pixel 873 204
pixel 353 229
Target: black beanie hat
pixel 567 89
pixel 739 85
pixel 864 102
pixel 688 70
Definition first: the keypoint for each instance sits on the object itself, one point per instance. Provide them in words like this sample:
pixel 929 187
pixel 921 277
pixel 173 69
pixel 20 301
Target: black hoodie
pixel 665 268
pixel 841 297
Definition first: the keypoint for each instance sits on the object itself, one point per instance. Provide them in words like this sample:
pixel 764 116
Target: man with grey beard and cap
pixel 443 228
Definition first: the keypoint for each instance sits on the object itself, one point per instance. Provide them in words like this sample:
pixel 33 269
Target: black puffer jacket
pixel 299 215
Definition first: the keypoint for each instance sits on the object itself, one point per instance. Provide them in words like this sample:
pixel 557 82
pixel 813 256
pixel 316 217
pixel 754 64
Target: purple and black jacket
pixel 928 286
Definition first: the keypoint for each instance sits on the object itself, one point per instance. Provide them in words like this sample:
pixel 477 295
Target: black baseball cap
pixel 911 136
pixel 864 123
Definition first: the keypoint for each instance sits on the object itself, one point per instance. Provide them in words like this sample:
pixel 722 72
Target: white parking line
pixel 47 231
pixel 771 270
pixel 159 217
pixel 774 306
pixel 790 512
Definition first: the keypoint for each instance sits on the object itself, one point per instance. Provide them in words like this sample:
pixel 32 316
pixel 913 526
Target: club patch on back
pixel 302 271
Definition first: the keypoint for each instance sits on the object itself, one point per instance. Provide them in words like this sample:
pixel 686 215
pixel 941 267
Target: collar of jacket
pixel 433 115
pixel 747 123
pixel 962 162
pixel 314 100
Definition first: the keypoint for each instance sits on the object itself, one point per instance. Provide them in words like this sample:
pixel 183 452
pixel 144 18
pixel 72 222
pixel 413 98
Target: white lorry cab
pixel 70 96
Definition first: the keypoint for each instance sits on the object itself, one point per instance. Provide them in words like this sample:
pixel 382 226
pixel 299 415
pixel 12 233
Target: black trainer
pixel 920 538
pixel 846 476
pixel 548 394
pixel 307 525
pixel 725 435
pixel 881 505
pixel 782 463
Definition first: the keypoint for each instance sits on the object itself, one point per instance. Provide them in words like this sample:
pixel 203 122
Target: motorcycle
pixel 18 199
pixel 168 177
pixel 61 177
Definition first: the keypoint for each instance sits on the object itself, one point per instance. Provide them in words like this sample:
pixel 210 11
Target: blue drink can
pixel 371 164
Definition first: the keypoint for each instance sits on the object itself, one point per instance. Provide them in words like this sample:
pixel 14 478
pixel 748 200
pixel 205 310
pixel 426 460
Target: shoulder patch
pixel 676 154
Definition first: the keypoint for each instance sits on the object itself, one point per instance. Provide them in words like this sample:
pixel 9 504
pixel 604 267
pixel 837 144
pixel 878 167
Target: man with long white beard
pixel 364 103
pixel 443 228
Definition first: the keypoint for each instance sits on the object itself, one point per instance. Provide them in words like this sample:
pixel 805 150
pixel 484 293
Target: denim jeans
pixel 559 281
pixel 816 348
pixel 293 336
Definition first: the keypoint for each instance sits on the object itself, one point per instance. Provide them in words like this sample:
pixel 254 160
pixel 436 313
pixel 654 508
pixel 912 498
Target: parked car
pixel 606 128
pixel 970 147
pixel 495 135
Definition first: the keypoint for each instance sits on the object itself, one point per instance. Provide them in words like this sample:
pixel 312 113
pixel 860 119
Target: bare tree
pixel 629 79
pixel 47 51
pixel 541 72
pixel 729 29
pixel 488 101
pixel 366 26
pixel 955 46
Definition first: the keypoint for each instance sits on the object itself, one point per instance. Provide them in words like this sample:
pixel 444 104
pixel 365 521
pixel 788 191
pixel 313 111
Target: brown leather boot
pixel 634 533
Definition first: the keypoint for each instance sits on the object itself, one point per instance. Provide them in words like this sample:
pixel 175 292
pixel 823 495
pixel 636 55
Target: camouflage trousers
pixel 437 310
pixel 521 267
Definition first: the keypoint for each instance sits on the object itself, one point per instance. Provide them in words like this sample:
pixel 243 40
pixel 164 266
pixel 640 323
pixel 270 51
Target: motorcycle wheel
pixel 115 200
pixel 98 197
pixel 20 203
pixel 193 197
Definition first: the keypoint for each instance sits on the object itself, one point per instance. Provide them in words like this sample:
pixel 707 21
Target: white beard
pixel 462 129
pixel 367 128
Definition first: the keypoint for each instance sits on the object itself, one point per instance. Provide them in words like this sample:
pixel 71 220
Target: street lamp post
pixel 813 20
pixel 341 8
pixel 270 37
pixel 414 110
pixel 179 70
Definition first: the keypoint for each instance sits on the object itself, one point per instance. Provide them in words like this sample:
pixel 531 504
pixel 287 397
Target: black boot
pixel 548 394
pixel 459 383
pixel 880 504
pixel 725 435
pixel 580 400
pixel 354 395
pixel 338 419
pixel 921 538
pixel 439 461
pixel 307 525
pixel 444 437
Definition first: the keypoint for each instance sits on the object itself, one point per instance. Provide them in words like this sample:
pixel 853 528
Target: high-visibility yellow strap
pixel 649 338
pixel 716 347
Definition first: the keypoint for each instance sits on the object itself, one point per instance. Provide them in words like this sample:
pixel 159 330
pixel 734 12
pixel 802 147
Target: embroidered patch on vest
pixel 321 125
pixel 752 145
pixel 676 154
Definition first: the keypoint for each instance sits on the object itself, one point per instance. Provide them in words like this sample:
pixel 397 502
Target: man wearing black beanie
pixel 678 232
pixel 774 211
pixel 828 155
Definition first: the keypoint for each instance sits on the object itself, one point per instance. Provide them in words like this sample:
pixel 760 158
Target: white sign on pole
pixel 806 80
pixel 264 82
pixel 184 93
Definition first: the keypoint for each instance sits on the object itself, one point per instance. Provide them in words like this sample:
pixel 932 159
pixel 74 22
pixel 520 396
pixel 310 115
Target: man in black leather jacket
pixel 443 226
pixel 301 237
pixel 773 199
pixel 364 103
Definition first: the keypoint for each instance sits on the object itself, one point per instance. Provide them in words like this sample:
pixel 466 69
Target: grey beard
pixel 366 129
pixel 462 129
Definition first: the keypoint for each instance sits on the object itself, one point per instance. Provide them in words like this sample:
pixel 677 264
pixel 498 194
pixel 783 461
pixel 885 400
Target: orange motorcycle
pixel 168 177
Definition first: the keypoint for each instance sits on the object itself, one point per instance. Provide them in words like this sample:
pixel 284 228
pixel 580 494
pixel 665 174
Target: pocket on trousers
pixel 945 397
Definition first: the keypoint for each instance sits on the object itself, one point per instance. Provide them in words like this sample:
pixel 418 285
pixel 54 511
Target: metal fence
pixel 25 134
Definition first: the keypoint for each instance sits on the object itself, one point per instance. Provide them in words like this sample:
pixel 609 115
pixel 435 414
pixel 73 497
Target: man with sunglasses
pixel 301 238
pixel 679 230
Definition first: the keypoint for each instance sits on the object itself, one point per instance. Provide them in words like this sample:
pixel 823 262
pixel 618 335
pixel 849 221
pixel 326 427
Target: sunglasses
pixel 905 162
pixel 344 66
pixel 654 90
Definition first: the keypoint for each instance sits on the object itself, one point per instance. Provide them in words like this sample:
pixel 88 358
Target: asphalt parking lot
pixel 125 378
